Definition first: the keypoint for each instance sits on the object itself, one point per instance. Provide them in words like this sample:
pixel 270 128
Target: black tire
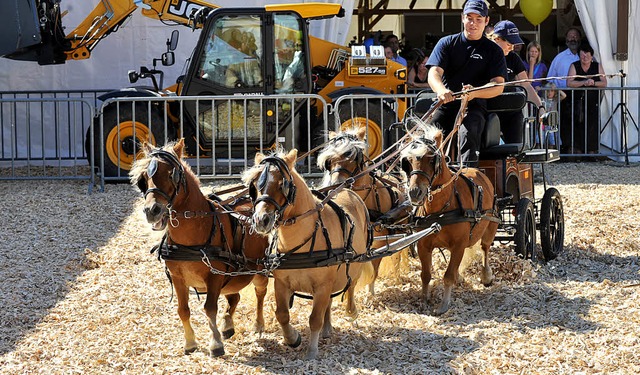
pixel 525 236
pixel 120 145
pixel 551 224
pixel 354 113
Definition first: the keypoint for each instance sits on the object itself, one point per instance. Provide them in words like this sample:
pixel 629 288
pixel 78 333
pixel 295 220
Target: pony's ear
pixel 178 148
pixel 146 147
pixel 332 134
pixel 362 132
pixel 258 158
pixel 290 158
pixel 438 139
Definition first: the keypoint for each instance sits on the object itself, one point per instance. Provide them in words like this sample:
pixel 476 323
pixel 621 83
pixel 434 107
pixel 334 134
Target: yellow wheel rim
pixel 119 148
pixel 374 133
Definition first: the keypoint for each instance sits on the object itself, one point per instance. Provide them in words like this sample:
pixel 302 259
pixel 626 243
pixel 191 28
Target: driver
pixel 463 60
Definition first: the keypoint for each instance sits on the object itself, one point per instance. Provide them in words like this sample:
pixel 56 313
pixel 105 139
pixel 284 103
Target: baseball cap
pixel 477 7
pixel 508 31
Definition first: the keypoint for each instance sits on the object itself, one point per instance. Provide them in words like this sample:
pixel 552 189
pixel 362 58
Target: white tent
pixel 599 19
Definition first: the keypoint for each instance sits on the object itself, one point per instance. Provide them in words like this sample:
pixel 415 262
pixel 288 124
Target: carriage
pixel 514 168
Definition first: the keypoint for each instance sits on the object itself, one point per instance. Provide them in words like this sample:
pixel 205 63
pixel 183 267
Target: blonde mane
pixel 425 131
pixel 342 146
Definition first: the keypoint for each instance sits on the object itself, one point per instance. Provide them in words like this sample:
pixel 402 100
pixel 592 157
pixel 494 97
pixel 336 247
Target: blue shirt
pixel 399 59
pixel 560 67
pixel 467 62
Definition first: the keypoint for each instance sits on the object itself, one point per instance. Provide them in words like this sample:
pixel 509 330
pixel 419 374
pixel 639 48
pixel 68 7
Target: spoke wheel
pixel 525 236
pixel 551 224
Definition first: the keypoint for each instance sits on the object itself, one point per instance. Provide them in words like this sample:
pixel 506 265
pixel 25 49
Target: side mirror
pixel 133 76
pixel 168 58
pixel 172 43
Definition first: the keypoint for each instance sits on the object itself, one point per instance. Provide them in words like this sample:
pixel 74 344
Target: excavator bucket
pixel 18 26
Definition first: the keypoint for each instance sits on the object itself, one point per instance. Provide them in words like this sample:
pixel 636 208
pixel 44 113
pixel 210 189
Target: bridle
pixel 436 153
pixel 359 158
pixel 177 176
pixel 288 186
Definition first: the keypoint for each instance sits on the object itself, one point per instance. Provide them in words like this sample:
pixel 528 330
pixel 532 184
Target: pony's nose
pixel 416 194
pixel 152 211
pixel 263 222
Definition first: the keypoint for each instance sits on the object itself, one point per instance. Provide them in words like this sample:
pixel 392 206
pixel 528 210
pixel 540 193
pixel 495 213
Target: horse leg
pixel 321 302
pixel 487 241
pixel 228 328
pixel 450 278
pixel 327 328
pixel 260 283
pixel 182 293
pixel 216 348
pixel 283 294
pixel 425 255
pixel 376 267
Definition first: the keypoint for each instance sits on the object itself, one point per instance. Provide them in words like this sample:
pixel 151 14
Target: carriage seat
pixel 514 98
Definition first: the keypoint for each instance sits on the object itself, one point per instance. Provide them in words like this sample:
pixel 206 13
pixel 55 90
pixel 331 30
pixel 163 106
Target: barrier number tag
pixel 358 52
pixel 377 52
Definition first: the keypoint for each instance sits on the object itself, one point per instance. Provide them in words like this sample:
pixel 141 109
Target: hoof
pixel 228 333
pixel 188 351
pixel 218 352
pixel 297 342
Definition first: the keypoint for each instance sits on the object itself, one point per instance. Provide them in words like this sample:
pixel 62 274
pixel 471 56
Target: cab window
pixel 289 59
pixel 233 53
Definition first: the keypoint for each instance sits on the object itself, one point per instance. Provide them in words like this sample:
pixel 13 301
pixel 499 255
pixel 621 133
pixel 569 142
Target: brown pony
pixel 308 234
pixel 345 157
pixel 462 202
pixel 203 243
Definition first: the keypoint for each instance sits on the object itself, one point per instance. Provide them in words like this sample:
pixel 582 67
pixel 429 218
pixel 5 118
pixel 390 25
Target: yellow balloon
pixel 536 11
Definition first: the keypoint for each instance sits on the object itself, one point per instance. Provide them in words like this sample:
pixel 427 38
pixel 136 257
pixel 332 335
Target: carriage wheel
pixel 123 136
pixel 525 236
pixel 551 224
pixel 354 114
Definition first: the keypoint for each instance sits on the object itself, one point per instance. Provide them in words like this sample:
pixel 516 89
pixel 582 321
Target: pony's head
pixel 422 161
pixel 271 187
pixel 344 155
pixel 160 176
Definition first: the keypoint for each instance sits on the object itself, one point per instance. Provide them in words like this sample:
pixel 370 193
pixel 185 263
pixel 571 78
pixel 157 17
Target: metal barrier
pixel 221 143
pixel 42 135
pixel 602 125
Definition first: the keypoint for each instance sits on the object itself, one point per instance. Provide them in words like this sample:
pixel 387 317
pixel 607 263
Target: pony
pixel 202 242
pixel 462 202
pixel 344 157
pixel 322 237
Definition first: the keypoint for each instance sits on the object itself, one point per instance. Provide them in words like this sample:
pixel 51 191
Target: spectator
pixel 418 72
pixel 393 42
pixel 552 98
pixel 506 35
pixel 388 53
pixel 586 102
pixel 560 68
pixel 468 58
pixel 536 69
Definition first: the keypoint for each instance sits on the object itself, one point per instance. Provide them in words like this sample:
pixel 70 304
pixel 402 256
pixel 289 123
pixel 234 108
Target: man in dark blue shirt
pixel 462 60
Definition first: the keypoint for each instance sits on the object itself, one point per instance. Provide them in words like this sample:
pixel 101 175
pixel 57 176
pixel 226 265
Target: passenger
pixel 506 35
pixel 586 100
pixel 471 59
pixel 418 72
pixel 560 68
pixel 536 68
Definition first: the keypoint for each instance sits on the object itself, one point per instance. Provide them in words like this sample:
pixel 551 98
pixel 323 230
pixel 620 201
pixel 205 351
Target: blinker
pixel 152 168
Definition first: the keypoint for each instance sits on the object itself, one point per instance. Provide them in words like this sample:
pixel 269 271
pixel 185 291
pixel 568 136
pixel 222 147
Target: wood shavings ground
pixel 81 294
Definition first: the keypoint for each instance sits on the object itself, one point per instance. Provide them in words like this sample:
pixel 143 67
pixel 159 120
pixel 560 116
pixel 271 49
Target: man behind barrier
pixel 462 60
